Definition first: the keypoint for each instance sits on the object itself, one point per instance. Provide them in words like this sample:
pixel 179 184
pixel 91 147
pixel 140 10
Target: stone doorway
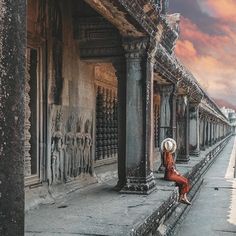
pixel 34 110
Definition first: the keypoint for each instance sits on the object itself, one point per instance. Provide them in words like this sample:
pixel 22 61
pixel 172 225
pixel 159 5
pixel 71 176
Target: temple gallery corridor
pixel 89 90
pixel 215 205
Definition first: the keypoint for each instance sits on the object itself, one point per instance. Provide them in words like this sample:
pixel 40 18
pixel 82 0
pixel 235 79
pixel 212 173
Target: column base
pixel 182 158
pixel 161 169
pixel 195 153
pixel 139 185
pixel 203 148
pixel 120 184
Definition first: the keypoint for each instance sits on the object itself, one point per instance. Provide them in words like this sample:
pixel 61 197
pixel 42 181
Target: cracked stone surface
pixel 96 211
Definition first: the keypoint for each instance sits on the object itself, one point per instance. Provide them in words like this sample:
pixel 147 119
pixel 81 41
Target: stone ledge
pixel 99 210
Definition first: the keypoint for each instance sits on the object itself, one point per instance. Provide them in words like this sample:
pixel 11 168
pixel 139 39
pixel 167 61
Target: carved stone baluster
pixel 97 125
pixel 116 126
pixel 112 124
pixel 27 156
pixel 100 128
pixel 104 118
pixel 108 123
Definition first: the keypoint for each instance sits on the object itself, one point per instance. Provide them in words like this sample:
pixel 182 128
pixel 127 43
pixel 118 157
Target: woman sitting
pixel 168 148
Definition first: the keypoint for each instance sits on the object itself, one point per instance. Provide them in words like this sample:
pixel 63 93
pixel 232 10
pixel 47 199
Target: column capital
pixel 166 90
pixel 135 47
pixel 194 104
pixel 151 53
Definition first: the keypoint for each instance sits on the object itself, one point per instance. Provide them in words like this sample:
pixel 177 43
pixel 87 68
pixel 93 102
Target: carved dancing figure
pixel 57 158
pixel 87 165
pixel 79 148
pixel 70 149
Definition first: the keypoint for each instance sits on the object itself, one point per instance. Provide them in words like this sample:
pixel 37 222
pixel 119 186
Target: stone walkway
pixel 96 211
pixel 213 213
pixel 99 210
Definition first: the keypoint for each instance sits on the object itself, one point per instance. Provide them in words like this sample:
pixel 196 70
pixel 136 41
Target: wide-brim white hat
pixel 169 145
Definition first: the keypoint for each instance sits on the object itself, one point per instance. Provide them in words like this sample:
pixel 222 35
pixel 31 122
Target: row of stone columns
pixel 193 128
pixel 212 130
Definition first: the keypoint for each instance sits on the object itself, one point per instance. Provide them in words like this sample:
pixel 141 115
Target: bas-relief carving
pixel 79 147
pixel 57 157
pixel 71 146
pixel 87 157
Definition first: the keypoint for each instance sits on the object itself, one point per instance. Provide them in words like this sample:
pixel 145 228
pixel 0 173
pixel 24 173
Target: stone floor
pixel 96 210
pixel 99 210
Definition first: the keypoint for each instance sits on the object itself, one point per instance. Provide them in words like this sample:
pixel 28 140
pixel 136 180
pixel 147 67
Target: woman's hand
pixel 176 172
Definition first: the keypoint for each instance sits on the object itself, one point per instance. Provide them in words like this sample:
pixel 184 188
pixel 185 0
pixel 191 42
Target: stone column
pixel 139 115
pixel 12 73
pixel 219 128
pixel 206 133
pixel 120 67
pixel 214 134
pixel 217 131
pixel 221 131
pixel 209 132
pixel 182 129
pixel 166 112
pixel 201 126
pixel 194 134
pixel 203 132
pixel 173 102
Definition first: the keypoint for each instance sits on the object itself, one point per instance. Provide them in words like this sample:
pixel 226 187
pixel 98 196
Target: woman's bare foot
pixel 184 199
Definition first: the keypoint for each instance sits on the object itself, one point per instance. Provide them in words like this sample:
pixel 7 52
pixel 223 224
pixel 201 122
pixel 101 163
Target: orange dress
pixel 170 174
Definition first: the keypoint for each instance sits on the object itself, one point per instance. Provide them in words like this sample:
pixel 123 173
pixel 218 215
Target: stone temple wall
pixel 72 115
pixel 68 98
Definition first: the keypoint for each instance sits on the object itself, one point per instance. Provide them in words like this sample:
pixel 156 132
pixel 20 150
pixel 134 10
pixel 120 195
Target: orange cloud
pixel 223 9
pixel 185 49
pixel 210 58
pixel 191 31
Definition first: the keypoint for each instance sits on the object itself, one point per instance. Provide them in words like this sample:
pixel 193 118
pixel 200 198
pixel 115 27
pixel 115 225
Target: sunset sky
pixel 207 45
